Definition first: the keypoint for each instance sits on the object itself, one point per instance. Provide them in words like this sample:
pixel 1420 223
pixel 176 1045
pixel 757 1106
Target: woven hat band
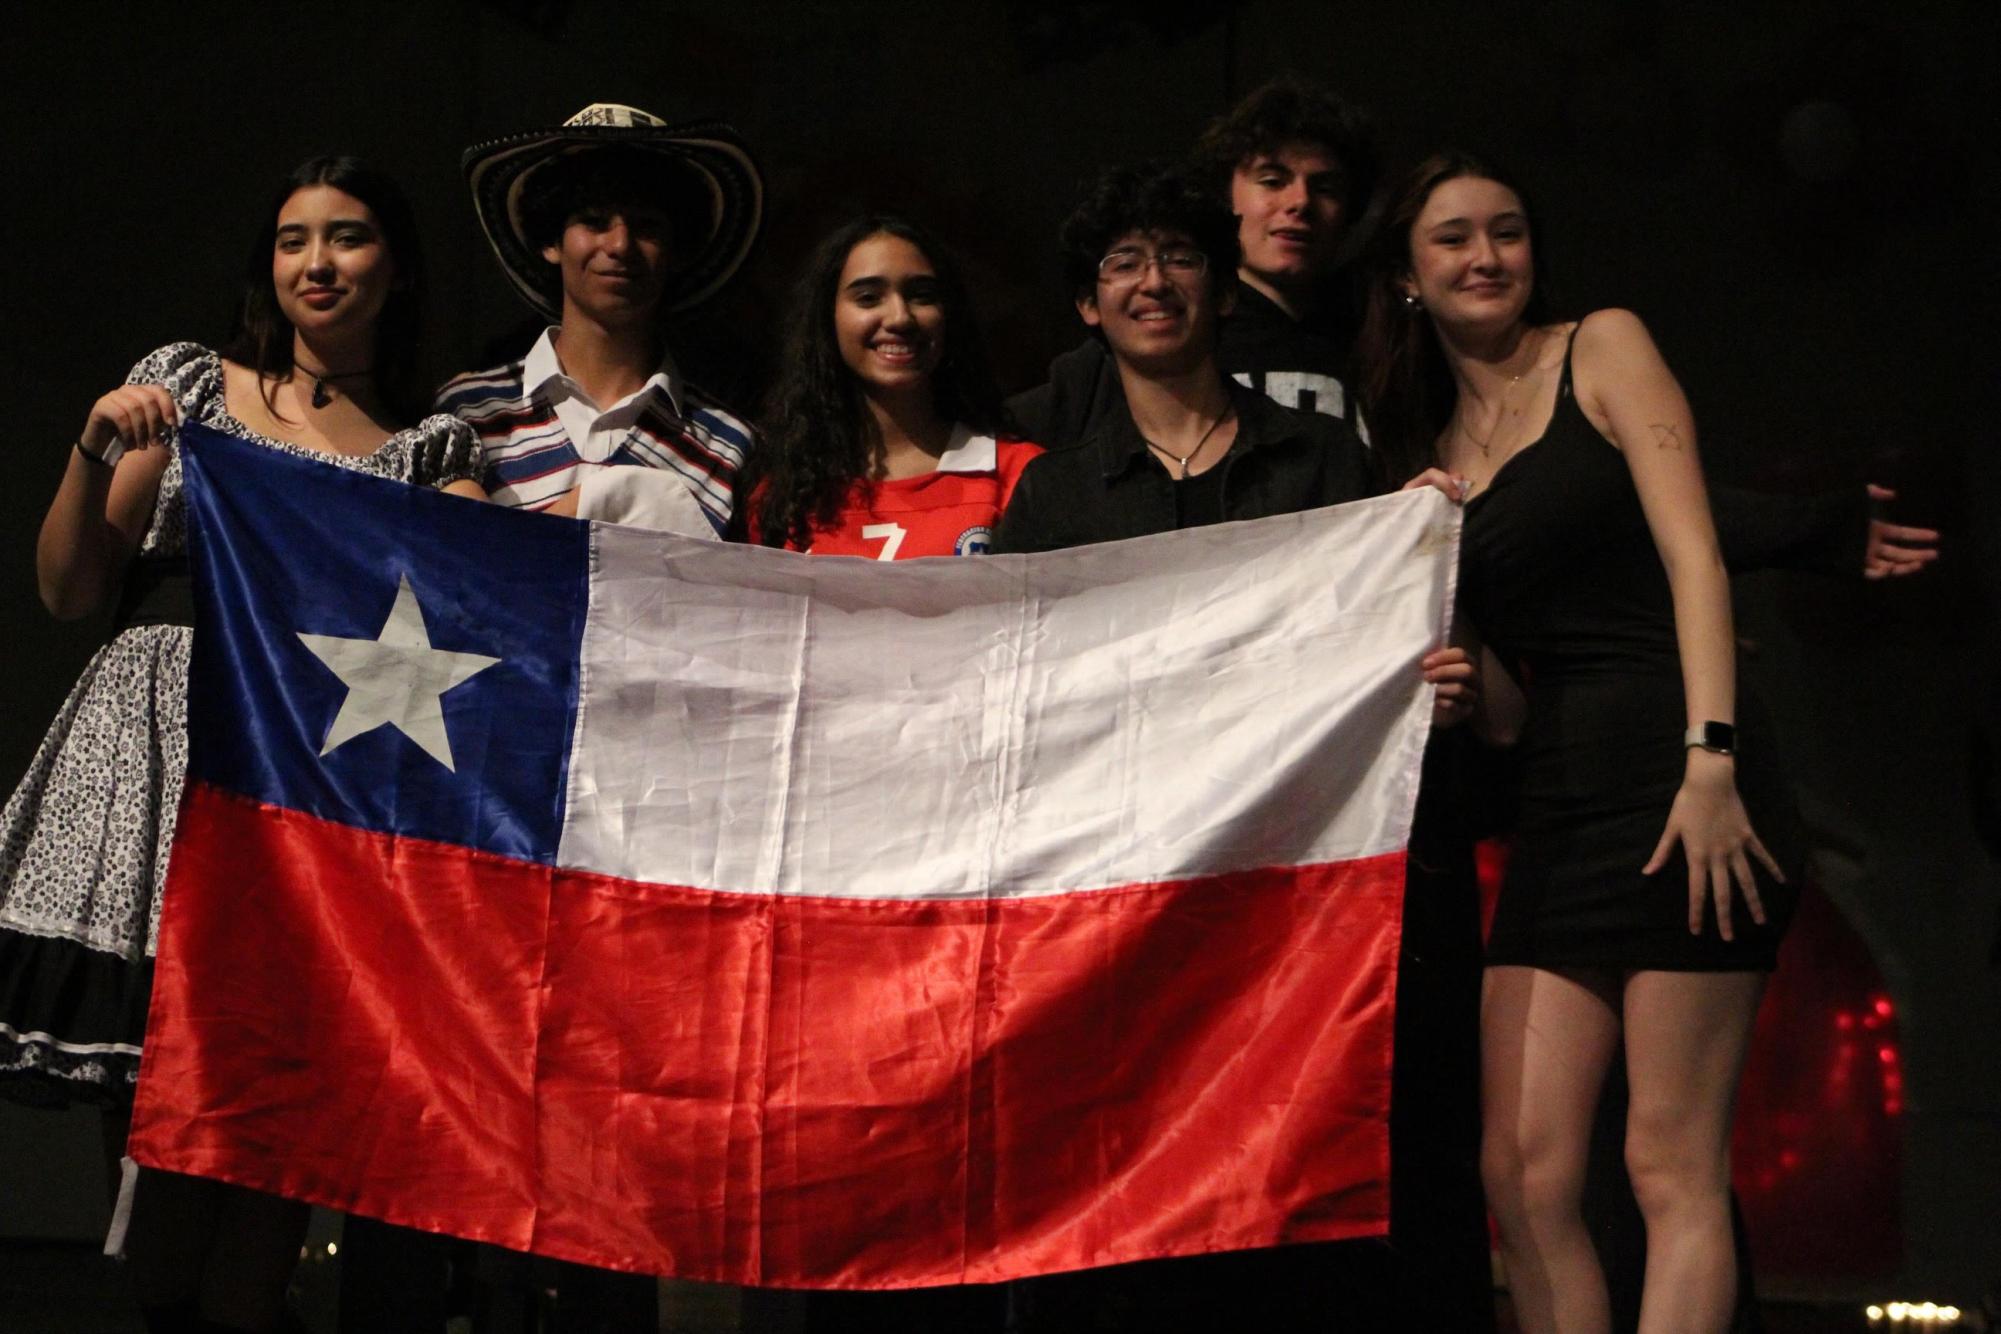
pixel 615 114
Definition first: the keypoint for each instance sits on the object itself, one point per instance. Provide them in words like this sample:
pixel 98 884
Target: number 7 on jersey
pixel 889 534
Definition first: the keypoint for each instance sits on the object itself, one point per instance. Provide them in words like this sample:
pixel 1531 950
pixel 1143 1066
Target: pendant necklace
pixel 321 395
pixel 1182 460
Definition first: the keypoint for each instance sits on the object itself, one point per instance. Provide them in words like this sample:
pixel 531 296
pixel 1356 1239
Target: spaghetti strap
pixel 1563 388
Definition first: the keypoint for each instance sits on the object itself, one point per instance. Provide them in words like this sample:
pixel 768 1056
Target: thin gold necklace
pixel 1501 407
pixel 1182 460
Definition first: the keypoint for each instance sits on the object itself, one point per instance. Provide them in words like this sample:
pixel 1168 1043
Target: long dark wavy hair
pixel 818 436
pixel 1408 393
pixel 262 336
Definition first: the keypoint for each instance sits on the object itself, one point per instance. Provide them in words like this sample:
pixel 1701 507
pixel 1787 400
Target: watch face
pixel 1713 736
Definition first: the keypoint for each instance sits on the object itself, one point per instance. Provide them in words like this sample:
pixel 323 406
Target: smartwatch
pixel 1717 738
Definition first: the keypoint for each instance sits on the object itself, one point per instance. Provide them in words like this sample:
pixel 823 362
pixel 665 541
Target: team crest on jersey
pixel 975 541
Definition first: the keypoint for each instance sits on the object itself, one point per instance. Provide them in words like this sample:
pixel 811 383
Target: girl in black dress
pixel 1641 901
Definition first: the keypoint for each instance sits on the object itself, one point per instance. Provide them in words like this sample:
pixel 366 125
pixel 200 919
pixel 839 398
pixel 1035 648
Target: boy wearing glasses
pixel 1151 261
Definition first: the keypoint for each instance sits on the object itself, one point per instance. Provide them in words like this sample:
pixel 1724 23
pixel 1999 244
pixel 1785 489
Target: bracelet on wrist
pixel 108 457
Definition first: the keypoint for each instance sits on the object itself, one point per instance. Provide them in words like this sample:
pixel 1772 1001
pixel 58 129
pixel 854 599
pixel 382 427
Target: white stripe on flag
pixel 1056 712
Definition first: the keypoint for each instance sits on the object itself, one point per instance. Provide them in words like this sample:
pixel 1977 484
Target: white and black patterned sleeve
pixel 447 451
pixel 188 371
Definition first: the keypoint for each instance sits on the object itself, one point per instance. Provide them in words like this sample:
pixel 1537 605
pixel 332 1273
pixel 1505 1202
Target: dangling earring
pixel 1411 303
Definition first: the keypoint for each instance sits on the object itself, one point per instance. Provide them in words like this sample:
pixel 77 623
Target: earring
pixel 1411 303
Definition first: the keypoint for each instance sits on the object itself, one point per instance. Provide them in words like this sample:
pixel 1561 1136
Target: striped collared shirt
pixel 538 430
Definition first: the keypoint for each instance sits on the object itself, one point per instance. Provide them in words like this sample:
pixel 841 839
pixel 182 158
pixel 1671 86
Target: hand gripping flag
pixel 724 913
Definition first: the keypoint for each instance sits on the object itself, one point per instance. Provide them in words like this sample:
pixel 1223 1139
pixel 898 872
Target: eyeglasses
pixel 1126 266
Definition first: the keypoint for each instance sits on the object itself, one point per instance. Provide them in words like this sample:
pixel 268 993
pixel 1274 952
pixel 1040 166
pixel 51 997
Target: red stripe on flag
pixel 776 1090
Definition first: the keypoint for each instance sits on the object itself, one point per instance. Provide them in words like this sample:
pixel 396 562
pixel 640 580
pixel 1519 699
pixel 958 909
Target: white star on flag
pixel 395 678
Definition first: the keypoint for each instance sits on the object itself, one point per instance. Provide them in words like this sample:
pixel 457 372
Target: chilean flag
pixel 736 915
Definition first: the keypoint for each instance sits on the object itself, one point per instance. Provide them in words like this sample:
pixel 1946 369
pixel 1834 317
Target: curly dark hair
pixel 1148 197
pixel 1407 389
pixel 1292 110
pixel 818 437
pixel 261 337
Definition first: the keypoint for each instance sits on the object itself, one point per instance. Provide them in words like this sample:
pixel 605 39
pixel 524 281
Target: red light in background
pixel 1819 1128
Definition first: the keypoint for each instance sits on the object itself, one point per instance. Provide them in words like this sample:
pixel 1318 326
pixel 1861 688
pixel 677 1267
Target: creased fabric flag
pixel 736 915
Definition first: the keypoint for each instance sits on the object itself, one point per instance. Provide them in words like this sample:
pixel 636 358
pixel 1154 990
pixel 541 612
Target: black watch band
pixel 110 455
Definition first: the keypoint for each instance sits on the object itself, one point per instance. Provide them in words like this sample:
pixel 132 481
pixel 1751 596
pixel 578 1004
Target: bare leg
pixel 1686 1035
pixel 1546 1040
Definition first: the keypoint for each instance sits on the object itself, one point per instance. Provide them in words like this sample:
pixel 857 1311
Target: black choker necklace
pixel 321 379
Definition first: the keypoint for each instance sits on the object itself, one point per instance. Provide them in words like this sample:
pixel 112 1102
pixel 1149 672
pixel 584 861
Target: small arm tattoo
pixel 1665 435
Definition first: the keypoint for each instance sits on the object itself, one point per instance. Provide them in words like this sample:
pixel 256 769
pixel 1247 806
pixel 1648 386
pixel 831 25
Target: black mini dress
pixel 1562 577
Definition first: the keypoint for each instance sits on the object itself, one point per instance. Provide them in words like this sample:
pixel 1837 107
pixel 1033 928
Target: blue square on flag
pixel 379 654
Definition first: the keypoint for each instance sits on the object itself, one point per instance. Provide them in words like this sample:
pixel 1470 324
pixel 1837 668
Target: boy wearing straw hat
pixel 609 224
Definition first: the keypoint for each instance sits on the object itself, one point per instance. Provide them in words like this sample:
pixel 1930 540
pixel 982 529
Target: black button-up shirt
pixel 1110 485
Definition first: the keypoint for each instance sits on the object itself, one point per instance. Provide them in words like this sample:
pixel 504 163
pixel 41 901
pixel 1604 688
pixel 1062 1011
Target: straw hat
pixel 707 152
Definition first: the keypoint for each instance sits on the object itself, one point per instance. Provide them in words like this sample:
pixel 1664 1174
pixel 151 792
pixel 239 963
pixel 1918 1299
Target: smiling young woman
pixel 332 276
pixel 1648 884
pixel 885 436
pixel 884 439
pixel 330 269
pixel 889 323
pixel 322 364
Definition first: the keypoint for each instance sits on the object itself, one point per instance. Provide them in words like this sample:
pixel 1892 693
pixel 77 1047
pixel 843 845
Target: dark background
pixel 1798 197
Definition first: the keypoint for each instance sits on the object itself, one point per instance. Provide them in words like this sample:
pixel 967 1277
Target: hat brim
pixel 708 151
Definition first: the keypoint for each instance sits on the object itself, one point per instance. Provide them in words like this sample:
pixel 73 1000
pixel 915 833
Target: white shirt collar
pixel 966 452
pixel 541 366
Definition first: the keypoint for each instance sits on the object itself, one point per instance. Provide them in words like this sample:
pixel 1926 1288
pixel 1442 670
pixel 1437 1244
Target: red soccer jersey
pixel 950 512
